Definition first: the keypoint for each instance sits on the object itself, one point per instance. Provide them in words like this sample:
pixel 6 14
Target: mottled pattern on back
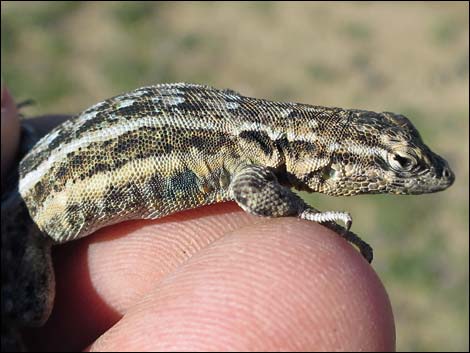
pixel 128 156
pixel 166 148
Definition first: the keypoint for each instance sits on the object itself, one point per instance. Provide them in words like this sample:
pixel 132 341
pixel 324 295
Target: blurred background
pixel 411 58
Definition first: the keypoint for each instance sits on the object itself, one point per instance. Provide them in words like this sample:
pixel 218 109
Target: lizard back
pixel 151 152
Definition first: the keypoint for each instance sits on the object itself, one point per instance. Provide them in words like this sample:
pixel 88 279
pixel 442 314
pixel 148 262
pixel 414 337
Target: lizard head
pixel 377 153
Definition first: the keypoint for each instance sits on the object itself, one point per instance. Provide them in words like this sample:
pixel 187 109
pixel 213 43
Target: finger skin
pixel 248 284
pixel 10 133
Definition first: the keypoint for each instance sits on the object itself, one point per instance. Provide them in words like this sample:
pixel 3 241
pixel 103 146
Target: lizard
pixel 166 148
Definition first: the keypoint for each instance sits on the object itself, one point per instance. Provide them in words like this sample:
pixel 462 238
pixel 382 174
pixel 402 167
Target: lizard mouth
pixel 443 175
pixel 437 180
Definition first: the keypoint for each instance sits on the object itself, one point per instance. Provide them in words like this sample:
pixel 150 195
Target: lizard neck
pixel 308 146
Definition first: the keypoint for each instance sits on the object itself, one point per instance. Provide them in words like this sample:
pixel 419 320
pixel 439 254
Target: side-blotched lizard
pixel 171 147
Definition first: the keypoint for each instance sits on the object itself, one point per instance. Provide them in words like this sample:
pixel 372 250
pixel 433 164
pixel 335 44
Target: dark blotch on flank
pixel 167 147
pixel 209 143
pixel 126 142
pixel 261 138
pixel 198 141
pixel 156 184
pixel 98 168
pixel 183 181
pixel 114 200
pixel 304 146
pixel 73 208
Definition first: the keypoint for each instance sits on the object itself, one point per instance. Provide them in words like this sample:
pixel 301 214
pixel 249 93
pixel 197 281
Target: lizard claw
pixel 327 216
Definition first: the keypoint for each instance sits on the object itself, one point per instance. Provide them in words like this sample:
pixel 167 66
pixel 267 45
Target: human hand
pixel 217 279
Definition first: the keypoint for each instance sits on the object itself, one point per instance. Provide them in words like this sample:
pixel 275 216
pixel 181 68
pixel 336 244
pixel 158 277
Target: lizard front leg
pixel 257 191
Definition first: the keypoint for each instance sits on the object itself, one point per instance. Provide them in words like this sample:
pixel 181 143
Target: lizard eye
pixel 401 162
